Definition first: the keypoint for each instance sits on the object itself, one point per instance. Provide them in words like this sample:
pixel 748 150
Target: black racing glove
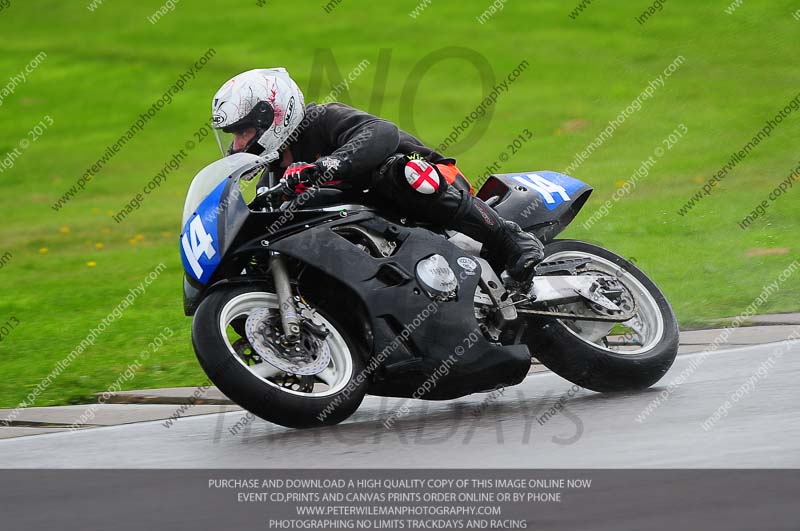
pixel 333 168
pixel 299 177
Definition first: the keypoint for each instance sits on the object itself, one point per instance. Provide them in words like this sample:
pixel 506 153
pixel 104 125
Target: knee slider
pixel 422 176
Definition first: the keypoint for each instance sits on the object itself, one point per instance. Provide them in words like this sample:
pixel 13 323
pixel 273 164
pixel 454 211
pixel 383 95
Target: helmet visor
pixel 240 139
pixel 224 141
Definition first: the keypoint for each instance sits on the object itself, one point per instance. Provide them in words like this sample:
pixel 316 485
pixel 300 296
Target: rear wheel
pixel 607 356
pixel 319 381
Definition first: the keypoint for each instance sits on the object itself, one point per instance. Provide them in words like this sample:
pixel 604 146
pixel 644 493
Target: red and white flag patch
pixel 422 176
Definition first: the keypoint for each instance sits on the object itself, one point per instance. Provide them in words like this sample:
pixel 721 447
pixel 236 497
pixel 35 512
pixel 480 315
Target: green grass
pixel 103 68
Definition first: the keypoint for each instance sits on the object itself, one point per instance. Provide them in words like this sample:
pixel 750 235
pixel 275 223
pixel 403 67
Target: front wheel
pixel 606 356
pixel 327 390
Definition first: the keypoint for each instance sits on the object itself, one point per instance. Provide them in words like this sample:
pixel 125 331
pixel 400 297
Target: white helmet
pixel 266 99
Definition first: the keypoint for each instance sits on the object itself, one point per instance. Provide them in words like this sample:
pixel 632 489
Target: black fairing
pixel 447 343
pixel 443 356
pixel 519 201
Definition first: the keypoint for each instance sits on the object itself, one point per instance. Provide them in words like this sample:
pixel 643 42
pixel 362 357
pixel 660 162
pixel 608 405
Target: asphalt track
pixel 761 428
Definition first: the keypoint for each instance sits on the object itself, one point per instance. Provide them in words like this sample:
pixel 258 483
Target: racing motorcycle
pixel 301 308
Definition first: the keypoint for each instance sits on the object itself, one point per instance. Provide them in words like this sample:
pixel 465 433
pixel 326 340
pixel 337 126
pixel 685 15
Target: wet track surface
pixel 761 428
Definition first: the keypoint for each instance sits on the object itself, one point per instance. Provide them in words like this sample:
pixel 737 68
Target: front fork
pixel 289 318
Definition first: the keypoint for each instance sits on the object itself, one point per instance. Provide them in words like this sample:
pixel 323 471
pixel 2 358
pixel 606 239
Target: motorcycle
pixel 302 308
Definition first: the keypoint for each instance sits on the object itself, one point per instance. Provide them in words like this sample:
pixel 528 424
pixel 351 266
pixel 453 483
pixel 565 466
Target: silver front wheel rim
pixel 330 381
pixel 635 336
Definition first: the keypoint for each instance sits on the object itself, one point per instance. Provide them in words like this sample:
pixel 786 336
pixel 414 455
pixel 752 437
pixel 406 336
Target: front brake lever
pixel 264 194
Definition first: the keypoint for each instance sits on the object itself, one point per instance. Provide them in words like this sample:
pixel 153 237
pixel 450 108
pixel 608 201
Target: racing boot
pixel 520 251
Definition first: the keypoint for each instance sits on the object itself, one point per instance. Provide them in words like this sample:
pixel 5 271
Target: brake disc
pixel 308 356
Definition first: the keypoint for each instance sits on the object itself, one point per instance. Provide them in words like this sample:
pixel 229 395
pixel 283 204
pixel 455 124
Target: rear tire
pixel 226 369
pixel 593 365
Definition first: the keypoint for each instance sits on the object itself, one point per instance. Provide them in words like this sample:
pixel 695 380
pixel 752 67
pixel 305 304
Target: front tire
pixel 583 354
pixel 295 402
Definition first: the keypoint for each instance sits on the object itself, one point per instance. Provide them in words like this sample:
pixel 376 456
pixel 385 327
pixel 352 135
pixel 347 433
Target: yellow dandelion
pixel 64 230
pixel 619 184
pixel 99 245
pixel 91 263
pixel 140 237
pixel 133 241
pixel 44 250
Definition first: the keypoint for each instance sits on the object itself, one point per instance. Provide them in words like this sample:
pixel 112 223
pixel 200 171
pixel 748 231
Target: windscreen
pixel 210 176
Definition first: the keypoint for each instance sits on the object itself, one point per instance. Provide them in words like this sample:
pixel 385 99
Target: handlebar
pixel 268 192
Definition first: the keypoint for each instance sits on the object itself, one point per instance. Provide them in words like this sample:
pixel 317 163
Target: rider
pixel 336 145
